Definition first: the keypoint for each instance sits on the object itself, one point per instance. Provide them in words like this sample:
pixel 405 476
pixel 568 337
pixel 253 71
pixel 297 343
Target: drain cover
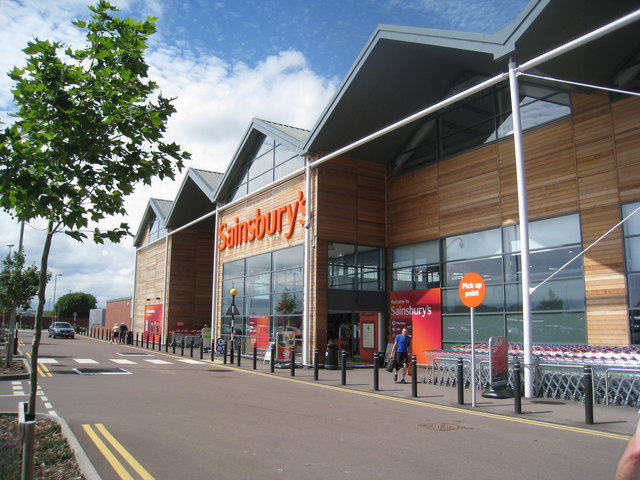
pixel 101 371
pixel 441 427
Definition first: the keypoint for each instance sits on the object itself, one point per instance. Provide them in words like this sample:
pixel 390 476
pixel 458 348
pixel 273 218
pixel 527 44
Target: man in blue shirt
pixel 400 352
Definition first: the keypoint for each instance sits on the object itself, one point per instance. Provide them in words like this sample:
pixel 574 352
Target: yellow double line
pixel 43 371
pixel 110 456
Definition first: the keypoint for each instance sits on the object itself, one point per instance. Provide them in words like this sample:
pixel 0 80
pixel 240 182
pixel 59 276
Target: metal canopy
pixel 401 70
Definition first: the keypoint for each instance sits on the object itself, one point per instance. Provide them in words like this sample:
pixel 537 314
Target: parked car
pixel 61 329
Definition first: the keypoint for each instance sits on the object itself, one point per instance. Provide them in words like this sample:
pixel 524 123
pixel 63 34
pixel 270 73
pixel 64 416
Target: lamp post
pixel 55 285
pixel 233 311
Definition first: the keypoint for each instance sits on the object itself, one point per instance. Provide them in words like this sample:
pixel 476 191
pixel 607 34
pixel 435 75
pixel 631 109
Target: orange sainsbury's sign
pixel 264 223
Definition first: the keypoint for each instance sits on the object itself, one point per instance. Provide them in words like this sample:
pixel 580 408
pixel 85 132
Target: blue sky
pixel 225 61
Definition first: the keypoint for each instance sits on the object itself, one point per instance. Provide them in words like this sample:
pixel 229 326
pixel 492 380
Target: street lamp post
pixel 233 311
pixel 55 286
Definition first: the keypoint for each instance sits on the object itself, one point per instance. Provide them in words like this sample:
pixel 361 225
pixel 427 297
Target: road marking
pixel 44 371
pixel 494 416
pixel 85 361
pixel 47 360
pixel 122 361
pixel 117 446
pixel 110 457
pixel 157 361
pixel 192 362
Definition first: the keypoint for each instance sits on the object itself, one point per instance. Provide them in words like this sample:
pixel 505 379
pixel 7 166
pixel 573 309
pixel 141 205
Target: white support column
pixel 306 303
pixel 524 229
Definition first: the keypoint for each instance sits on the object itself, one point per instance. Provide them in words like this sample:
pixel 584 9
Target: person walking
pixel 114 333
pixel 400 353
pixel 123 332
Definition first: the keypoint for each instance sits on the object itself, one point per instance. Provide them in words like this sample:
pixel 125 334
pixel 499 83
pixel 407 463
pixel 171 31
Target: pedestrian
pixel 400 353
pixel 629 464
pixel 123 333
pixel 114 333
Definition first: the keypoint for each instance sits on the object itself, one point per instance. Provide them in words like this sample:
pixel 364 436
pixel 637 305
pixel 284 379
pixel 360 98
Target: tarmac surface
pixel 325 416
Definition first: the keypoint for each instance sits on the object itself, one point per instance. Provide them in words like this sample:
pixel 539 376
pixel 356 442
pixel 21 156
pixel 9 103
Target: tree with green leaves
pixel 79 303
pixel 18 285
pixel 89 126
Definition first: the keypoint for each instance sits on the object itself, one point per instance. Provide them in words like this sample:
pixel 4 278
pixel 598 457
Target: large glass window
pixel 269 291
pixel 355 267
pixel 631 232
pixel 481 119
pixel 272 160
pixel 558 306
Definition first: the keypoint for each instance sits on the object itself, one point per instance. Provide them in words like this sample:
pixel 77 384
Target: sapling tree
pixel 89 125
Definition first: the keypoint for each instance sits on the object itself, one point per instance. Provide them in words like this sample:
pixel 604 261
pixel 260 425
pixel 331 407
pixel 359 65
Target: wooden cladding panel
pixel 281 195
pixel 607 321
pixel 351 202
pixel 625 115
pixel 150 274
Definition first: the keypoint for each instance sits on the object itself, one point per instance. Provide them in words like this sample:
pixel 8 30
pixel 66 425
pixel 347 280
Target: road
pixel 173 418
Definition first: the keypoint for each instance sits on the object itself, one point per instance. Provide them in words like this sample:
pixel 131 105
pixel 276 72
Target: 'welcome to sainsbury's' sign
pixel 264 223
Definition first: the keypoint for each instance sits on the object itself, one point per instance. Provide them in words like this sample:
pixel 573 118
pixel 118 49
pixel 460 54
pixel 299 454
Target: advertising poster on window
pixel 259 331
pixel 368 322
pixel 153 322
pixel 421 312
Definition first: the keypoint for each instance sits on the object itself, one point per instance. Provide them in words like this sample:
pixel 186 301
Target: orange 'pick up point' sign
pixel 472 289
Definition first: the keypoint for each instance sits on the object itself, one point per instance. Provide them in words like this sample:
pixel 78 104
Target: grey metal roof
pixel 195 198
pixel 160 208
pixel 402 70
pixel 293 137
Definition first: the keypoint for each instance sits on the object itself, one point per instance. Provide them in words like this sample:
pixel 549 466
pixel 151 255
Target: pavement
pixel 609 421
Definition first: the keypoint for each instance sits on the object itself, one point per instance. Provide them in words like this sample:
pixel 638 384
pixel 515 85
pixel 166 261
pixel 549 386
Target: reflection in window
pixel 355 267
pixel 631 233
pixel 478 120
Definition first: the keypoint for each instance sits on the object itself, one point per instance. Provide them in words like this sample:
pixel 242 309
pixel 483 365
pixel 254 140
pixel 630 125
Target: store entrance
pixel 355 333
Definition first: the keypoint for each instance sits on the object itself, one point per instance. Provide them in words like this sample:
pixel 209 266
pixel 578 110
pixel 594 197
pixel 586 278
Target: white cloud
pixel 215 103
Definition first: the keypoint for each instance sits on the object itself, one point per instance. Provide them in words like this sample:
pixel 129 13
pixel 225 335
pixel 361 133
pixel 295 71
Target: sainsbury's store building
pixel 330 244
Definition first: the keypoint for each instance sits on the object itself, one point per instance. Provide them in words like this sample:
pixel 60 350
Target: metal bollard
pixel 153 343
pixel 315 364
pixel 517 403
pixel 191 349
pixel 293 360
pixel 136 339
pixel 588 395
pixel 231 353
pixel 201 349
pixel 376 379
pixel 272 363
pixel 224 359
pixel 173 345
pixel 460 382
pixel 166 345
pixel 414 376
pixel 147 341
pixel 213 351
pixel 255 356
pixel 182 347
pixel 344 367
pixel 239 354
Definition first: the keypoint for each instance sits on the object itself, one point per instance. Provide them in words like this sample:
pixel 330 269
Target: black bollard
pixel 224 359
pixel 173 346
pixel 588 395
pixel 315 364
pixel 376 379
pixel 414 376
pixel 201 349
pixel 344 367
pixel 191 349
pixel 255 356
pixel 213 350
pixel 272 363
pixel 460 382
pixel 293 360
pixel 166 345
pixel 147 341
pixel 517 403
pixel 232 353
pixel 182 347
pixel 136 339
pixel 239 354
pixel 153 343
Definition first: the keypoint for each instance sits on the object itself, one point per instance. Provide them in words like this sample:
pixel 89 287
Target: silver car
pixel 61 329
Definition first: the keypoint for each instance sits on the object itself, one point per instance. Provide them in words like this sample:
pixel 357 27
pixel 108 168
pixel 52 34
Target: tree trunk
pixel 33 376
